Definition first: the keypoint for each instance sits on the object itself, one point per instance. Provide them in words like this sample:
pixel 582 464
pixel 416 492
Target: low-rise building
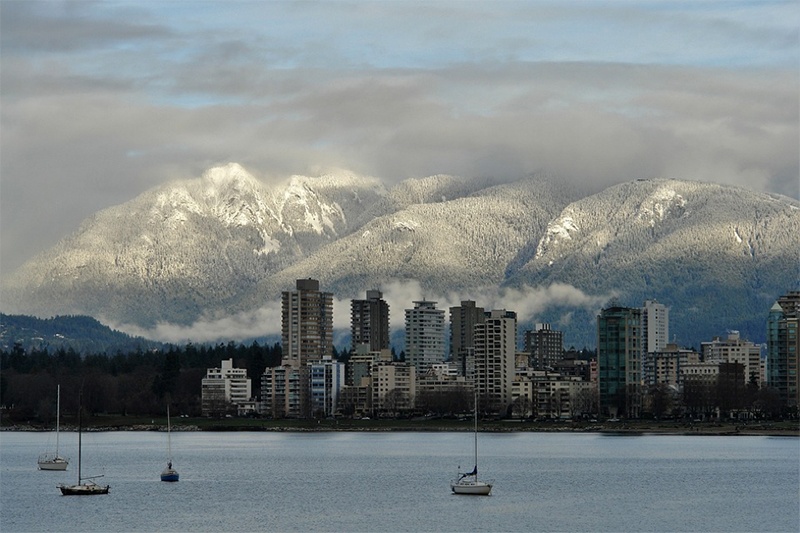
pixel 393 387
pixel 225 390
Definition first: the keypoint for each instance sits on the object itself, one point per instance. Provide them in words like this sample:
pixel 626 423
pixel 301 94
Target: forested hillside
pixel 82 334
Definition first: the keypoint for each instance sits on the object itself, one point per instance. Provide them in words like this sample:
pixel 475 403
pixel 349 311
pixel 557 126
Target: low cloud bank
pixel 528 302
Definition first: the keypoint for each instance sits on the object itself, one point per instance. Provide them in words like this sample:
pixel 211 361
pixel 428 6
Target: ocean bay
pixel 398 481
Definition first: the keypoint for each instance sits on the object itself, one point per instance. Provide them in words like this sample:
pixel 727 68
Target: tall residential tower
pixel 369 322
pixel 306 324
pixel 424 336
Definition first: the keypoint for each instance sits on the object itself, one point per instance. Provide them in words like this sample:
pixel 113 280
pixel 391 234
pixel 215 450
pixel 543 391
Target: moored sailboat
pixel 169 473
pixel 53 460
pixel 86 485
pixel 468 483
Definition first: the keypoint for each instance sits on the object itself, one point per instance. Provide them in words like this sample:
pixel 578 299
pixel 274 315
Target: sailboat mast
pixel 169 437
pixel 476 435
pixel 58 415
pixel 80 430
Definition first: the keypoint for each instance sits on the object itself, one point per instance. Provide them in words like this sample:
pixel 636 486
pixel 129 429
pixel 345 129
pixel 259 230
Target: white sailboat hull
pixel 475 488
pixel 52 462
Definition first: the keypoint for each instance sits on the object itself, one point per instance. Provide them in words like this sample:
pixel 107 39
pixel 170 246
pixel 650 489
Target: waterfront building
pixel 783 349
pixel 699 380
pixel 463 319
pixel 655 326
pixel 425 335
pixel 355 401
pixel 306 324
pixel 225 390
pixel 443 390
pixel 359 364
pixel 619 352
pixel 281 392
pixel 306 336
pixel 495 350
pixel 550 395
pixel 393 387
pixel 545 346
pixel 734 349
pixel 664 367
pixel 369 322
pixel 327 378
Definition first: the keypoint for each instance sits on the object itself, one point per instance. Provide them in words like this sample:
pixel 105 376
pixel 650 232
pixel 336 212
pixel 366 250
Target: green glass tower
pixel 783 347
pixel 619 345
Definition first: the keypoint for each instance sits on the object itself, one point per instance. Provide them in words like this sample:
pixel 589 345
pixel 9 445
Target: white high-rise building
pixel 655 327
pixel 495 351
pixel 425 336
pixel 655 333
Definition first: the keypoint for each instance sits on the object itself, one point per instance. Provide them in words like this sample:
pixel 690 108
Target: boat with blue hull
pixel 169 473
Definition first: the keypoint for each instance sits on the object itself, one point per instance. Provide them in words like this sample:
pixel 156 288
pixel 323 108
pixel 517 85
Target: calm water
pixel 399 482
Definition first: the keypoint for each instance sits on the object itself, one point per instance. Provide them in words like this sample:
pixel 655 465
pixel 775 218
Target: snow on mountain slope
pixel 717 255
pixel 446 245
pixel 189 248
pixel 226 243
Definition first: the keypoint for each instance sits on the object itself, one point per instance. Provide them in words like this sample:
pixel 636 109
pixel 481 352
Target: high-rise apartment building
pixel 495 350
pixel 306 324
pixel 619 338
pixel 307 337
pixel 463 319
pixel 783 348
pixel 369 322
pixel 424 336
pixel 545 346
pixel 655 333
pixel 655 326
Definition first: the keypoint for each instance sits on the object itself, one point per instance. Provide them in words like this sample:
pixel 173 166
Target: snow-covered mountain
pixel 225 243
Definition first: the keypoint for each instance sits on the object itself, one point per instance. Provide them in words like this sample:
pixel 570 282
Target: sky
pixel 101 101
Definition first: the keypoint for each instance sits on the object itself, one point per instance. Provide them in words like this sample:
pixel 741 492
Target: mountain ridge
pixel 225 244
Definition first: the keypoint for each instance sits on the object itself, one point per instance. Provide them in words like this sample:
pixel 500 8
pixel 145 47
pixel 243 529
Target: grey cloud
pixel 69 26
pixel 83 131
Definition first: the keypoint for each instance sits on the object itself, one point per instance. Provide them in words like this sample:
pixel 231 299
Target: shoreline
pixel 781 429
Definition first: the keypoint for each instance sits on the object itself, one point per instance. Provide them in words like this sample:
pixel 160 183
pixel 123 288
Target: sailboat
pixel 50 460
pixel 169 473
pixel 467 483
pixel 86 485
